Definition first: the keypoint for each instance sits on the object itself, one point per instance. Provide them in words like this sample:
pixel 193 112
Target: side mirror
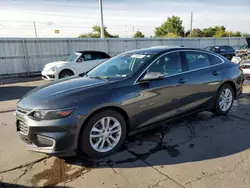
pixel 152 76
pixel 80 60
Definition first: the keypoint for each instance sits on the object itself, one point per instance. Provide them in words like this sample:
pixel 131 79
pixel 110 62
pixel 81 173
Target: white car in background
pixel 75 64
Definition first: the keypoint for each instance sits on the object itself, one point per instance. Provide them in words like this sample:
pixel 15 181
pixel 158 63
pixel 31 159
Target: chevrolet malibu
pixel 127 94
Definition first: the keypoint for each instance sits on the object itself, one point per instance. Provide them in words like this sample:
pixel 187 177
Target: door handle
pixel 215 73
pixel 182 81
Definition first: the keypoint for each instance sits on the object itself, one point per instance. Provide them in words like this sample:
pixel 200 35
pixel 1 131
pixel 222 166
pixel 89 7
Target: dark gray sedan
pixel 127 94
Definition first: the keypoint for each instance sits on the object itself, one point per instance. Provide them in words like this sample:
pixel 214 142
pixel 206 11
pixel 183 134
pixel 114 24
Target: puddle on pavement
pixel 57 173
pixel 172 151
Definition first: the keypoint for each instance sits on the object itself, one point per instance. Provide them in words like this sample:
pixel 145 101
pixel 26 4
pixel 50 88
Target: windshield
pixel 243 47
pixel 71 57
pixel 120 66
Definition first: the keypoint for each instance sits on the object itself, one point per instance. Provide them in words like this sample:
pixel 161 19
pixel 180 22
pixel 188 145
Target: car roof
pixel 160 50
pixel 89 51
pixel 220 46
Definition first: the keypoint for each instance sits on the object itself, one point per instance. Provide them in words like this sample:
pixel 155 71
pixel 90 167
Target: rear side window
pixel 94 56
pixel 215 60
pixel 229 48
pixel 87 56
pixel 105 56
pixel 197 60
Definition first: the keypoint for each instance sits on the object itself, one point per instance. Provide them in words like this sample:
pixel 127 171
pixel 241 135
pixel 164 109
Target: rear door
pixel 202 79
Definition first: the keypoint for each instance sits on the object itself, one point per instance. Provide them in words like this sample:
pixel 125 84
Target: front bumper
pixel 55 137
pixel 49 75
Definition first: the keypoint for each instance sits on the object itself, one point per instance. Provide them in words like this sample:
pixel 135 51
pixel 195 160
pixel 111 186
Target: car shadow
pixel 13 92
pixel 10 185
pixel 199 137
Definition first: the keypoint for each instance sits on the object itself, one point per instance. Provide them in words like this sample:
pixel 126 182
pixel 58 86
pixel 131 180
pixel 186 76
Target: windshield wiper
pixel 83 74
pixel 100 77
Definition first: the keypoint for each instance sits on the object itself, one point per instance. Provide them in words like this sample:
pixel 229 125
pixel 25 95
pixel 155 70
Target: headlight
pixel 53 69
pixel 52 114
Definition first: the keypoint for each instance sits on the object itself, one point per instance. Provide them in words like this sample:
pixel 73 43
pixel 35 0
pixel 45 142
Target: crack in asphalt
pixel 238 117
pixel 24 172
pixel 205 175
pixel 160 146
pixel 157 183
pixel 76 175
pixel 24 165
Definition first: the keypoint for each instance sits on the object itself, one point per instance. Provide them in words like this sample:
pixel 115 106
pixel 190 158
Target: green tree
pixel 209 32
pixel 171 35
pixel 245 34
pixel 96 33
pixel 237 34
pixel 196 33
pixel 172 25
pixel 138 34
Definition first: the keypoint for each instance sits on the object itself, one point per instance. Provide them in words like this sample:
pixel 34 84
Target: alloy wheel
pixel 105 134
pixel 226 99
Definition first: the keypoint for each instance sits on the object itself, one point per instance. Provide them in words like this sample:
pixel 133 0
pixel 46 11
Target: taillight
pixel 241 67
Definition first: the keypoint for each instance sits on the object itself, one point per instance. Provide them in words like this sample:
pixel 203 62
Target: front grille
pixel 22 127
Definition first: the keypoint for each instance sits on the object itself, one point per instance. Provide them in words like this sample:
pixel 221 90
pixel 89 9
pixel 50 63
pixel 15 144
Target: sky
pixel 122 17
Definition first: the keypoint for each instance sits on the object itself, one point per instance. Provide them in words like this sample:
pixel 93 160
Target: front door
pixel 158 100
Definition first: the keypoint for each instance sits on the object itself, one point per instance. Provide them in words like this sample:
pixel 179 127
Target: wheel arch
pixel 231 83
pixel 65 69
pixel 115 108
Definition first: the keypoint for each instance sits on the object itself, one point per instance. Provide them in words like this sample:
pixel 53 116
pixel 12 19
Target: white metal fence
pixel 30 55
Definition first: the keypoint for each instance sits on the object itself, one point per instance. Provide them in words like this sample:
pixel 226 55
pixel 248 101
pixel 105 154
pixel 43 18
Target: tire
pixel 65 74
pixel 224 109
pixel 87 143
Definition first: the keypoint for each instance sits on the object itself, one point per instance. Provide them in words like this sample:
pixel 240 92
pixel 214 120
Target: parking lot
pixel 202 150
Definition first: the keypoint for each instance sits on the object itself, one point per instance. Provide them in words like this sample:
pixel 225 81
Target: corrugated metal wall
pixel 30 55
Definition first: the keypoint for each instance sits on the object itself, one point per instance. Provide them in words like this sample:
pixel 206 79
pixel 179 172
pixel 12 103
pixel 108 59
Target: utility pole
pixel 101 12
pixel 133 30
pixel 35 29
pixel 191 25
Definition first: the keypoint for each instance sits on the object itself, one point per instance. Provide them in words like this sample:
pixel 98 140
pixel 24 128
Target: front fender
pixel 60 68
pixel 101 100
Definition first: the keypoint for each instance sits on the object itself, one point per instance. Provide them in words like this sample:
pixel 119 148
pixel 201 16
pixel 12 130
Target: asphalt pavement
pixel 199 151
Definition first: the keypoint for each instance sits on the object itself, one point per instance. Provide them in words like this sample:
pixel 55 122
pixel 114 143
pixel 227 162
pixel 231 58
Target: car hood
pixel 54 64
pixel 59 94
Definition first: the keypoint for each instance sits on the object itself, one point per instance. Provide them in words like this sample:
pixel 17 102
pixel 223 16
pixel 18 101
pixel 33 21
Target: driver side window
pixel 167 65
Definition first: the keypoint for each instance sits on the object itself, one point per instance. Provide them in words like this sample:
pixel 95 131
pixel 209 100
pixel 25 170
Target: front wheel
pixel 224 100
pixel 103 134
pixel 65 74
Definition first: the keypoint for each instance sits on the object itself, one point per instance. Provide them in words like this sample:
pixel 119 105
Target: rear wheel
pixel 65 74
pixel 103 134
pixel 224 100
